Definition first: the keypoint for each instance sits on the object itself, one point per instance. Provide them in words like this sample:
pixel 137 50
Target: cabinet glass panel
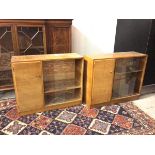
pixel 62 80
pixel 6 52
pixel 127 77
pixel 129 65
pixel 30 40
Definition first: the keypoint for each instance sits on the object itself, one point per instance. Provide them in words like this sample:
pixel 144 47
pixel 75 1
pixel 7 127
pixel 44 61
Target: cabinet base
pixel 51 107
pixel 115 101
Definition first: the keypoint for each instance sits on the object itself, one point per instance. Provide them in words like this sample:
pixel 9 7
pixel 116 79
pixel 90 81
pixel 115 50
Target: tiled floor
pixel 147 104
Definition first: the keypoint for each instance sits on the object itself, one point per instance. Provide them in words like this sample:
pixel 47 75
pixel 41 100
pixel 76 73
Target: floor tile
pixel 90 132
pixel 41 122
pixel 123 112
pixel 56 127
pixel 82 121
pixel 28 118
pixel 92 112
pixel 66 117
pixel 75 109
pixel 4 121
pixel 100 126
pixel 44 132
pixel 12 114
pixel 114 129
pixel 7 103
pixel 123 121
pixel 52 113
pixel 136 124
pixel 14 128
pixel 29 130
pixel 3 112
pixel 105 116
pixel 112 108
pixel 72 129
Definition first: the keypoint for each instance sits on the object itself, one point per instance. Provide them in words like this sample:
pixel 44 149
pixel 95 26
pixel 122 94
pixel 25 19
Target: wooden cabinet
pixel 46 82
pixel 58 36
pixel 113 78
pixel 6 52
pixel 30 37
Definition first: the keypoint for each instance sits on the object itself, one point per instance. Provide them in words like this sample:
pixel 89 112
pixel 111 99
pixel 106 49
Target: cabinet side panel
pixel 28 82
pixel 102 80
pixel 143 72
pixel 87 84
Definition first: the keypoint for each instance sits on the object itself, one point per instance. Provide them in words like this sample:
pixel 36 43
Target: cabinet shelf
pixel 62 96
pixel 55 86
pixel 6 87
pixel 121 73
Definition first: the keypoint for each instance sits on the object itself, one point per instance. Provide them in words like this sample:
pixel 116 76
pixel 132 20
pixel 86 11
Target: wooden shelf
pixel 60 85
pixel 5 69
pixel 62 97
pixel 6 87
pixel 135 71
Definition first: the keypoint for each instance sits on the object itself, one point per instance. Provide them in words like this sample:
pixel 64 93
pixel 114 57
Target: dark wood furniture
pixel 31 37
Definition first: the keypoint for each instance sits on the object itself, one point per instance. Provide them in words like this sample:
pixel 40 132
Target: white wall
pixel 94 23
pixel 93 35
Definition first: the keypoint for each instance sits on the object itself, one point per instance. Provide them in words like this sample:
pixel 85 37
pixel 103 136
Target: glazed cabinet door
pixel 31 39
pixel 59 39
pixel 28 83
pixel 102 80
pixel 6 52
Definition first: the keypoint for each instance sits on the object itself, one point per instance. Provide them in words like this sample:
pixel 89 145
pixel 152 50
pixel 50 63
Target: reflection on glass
pixel 62 96
pixel 30 40
pixel 127 75
pixel 6 52
pixel 128 65
pixel 62 80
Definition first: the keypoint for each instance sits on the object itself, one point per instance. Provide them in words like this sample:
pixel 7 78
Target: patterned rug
pixel 122 119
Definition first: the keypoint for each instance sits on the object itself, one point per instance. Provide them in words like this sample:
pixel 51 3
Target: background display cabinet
pixel 46 82
pixel 113 78
pixel 31 37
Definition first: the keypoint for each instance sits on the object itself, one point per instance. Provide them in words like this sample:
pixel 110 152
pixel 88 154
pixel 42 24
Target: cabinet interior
pixel 62 80
pixel 127 78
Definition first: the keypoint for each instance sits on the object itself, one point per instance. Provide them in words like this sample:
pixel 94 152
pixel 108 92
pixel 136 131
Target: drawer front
pixel 102 80
pixel 28 83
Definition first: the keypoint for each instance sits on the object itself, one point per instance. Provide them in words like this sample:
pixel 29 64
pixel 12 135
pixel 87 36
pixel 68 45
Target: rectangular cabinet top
pixel 45 57
pixel 115 55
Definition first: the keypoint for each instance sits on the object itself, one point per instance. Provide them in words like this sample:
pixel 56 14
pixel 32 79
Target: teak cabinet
pixel 44 82
pixel 113 78
pixel 31 37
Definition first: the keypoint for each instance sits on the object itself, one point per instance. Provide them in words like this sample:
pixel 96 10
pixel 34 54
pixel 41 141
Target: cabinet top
pixel 34 21
pixel 45 57
pixel 115 55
